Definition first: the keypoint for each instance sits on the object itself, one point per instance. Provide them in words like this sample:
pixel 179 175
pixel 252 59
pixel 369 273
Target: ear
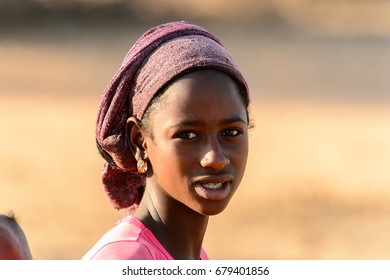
pixel 136 138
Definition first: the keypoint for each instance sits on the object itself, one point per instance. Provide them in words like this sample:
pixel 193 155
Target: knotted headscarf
pixel 159 56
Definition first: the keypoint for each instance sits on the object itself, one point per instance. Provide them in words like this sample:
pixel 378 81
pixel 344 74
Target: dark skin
pixel 196 154
pixel 178 229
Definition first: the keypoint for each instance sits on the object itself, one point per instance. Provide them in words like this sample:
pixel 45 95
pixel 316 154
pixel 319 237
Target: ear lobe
pixel 135 137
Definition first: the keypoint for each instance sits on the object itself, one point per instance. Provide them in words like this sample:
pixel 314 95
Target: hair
pixel 9 216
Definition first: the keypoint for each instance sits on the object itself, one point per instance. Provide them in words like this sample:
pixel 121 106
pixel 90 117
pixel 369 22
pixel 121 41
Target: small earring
pixel 142 166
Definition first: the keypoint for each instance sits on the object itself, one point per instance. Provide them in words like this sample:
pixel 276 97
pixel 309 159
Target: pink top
pixel 130 240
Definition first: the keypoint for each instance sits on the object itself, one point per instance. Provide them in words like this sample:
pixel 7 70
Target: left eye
pixel 231 132
pixel 187 135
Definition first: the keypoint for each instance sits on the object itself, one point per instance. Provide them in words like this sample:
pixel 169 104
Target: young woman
pixel 173 128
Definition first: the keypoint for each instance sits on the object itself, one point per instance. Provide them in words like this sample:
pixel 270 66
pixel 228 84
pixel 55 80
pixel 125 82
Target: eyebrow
pixel 196 122
pixel 234 119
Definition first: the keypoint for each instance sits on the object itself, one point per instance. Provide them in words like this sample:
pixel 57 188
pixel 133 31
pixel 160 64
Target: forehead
pixel 203 92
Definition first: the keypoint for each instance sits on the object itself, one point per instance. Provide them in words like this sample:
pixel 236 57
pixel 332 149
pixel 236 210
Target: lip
pixel 208 187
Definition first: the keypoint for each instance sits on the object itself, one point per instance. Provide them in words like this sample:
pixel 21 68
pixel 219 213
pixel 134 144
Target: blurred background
pixel 317 184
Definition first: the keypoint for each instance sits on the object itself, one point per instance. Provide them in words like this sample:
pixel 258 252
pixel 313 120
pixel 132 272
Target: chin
pixel 212 210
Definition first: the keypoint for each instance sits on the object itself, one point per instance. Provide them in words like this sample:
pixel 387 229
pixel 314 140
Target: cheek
pixel 167 161
pixel 239 154
pixel 181 160
pixel 171 171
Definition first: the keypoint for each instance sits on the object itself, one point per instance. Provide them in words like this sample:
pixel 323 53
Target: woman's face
pixel 199 144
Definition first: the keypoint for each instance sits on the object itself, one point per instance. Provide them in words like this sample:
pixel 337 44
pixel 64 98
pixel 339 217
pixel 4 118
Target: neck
pixel 178 228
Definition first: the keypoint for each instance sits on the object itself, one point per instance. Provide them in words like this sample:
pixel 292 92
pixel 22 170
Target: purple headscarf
pixel 159 56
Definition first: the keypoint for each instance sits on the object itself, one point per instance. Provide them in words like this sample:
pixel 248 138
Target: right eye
pixel 187 135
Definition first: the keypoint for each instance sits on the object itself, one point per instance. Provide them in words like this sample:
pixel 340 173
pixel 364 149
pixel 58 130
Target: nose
pixel 214 157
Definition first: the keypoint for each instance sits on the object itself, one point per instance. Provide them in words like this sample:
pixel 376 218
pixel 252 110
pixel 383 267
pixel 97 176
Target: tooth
pixel 213 186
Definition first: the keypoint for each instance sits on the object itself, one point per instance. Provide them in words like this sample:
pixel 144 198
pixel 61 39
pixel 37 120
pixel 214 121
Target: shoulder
pixel 203 255
pixel 129 240
pixel 121 250
pixel 13 242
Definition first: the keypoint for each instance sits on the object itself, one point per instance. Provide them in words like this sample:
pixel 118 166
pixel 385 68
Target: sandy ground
pixel 317 184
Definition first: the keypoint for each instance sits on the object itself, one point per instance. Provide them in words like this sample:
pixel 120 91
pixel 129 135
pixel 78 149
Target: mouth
pixel 214 190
